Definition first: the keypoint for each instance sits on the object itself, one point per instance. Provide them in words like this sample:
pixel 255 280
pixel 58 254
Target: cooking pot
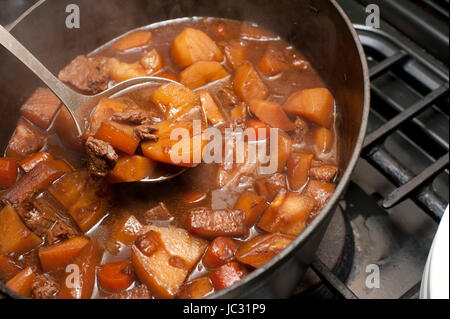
pixel 319 29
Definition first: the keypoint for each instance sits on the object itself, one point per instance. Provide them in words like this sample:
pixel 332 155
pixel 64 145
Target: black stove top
pixel 400 188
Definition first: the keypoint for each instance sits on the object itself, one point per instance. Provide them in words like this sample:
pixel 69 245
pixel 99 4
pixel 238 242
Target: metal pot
pixel 317 28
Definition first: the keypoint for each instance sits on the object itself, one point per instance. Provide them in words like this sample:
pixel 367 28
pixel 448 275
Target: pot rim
pixel 297 242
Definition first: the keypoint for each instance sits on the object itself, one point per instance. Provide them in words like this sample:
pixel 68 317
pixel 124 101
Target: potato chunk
pixel 271 113
pixel 193 45
pixel 8 172
pixel 291 216
pixel 8 268
pixel 174 99
pixel 133 40
pixel 14 235
pixel 261 249
pixel 273 62
pixel 124 232
pixel 21 283
pixel 248 84
pixel 152 62
pixel 59 255
pixel 253 206
pixel 211 109
pixel 121 71
pixel 87 261
pixel 169 263
pixel 235 53
pixel 131 169
pixel 270 186
pixel 316 105
pixel 201 73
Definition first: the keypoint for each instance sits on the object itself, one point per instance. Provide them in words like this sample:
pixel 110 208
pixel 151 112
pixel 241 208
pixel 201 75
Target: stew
pixel 75 224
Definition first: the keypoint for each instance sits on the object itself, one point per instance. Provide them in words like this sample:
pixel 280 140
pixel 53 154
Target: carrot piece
pixel 261 249
pixel 121 71
pixel 14 235
pixel 196 289
pixel 219 252
pixel 30 162
pixel 270 186
pixel 210 223
pixel 323 140
pixel 261 131
pixel 8 172
pixel 59 255
pixel 298 166
pixel 210 107
pixel 8 268
pixel 239 112
pixel 25 141
pixel 41 108
pixel 193 198
pixel 133 40
pixel 67 189
pixel 120 136
pixel 316 105
pixel 248 84
pixel 235 53
pixel 171 259
pixel 272 62
pixel 131 169
pixel 290 217
pixel 253 206
pixel 174 99
pixel 201 73
pixel 193 45
pixel 184 152
pixel 37 180
pixel 21 283
pixel 152 62
pixel 115 277
pixel 226 275
pixel 85 263
pixel 271 113
pixel 67 130
pixel 103 112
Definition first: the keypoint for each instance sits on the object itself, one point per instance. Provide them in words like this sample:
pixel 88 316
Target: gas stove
pixel 378 241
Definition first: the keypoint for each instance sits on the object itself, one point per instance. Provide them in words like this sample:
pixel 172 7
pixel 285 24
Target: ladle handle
pixel 66 95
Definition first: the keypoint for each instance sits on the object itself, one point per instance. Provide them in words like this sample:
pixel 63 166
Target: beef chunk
pixel 145 133
pixel 37 222
pixel 206 222
pixel 87 74
pixel 44 288
pixel 300 130
pixel 227 97
pixel 138 292
pixel 133 116
pixel 160 212
pixel 323 173
pixel 25 141
pixel 101 157
pixel 59 232
pixel 41 108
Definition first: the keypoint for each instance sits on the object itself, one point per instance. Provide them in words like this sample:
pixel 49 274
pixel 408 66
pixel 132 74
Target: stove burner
pixel 335 252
